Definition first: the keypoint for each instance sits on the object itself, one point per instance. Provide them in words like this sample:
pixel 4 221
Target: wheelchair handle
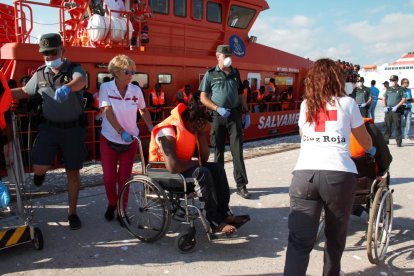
pixel 141 154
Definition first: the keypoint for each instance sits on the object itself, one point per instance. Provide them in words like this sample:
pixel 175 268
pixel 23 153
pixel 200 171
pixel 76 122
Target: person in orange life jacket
pixel 261 99
pixel 119 101
pixel 156 102
pixel 183 95
pixel 60 84
pixel 324 175
pixel 140 11
pixel 222 93
pixel 175 141
pixel 247 92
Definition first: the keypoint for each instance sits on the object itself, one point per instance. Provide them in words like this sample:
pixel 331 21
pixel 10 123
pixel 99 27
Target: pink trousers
pixel 117 168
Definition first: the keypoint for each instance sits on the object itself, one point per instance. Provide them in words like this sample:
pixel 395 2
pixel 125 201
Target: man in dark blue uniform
pixel 362 96
pixel 60 83
pixel 393 101
pixel 222 93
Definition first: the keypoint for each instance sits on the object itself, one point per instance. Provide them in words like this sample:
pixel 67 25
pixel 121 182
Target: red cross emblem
pixel 330 115
pixel 134 99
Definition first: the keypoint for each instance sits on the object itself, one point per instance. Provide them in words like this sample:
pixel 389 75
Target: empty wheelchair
pixel 149 201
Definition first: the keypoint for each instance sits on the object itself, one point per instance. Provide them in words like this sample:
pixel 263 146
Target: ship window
pixel 159 6
pixel 198 9
pixel 180 8
pixel 240 17
pixel 411 67
pixel 164 78
pixel 101 78
pixel 214 12
pixel 142 80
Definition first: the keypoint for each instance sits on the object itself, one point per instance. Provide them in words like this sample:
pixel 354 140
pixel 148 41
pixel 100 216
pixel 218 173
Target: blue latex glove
pixel 246 121
pixel 363 105
pixel 385 109
pixel 150 128
pixel 394 109
pixel 372 151
pixel 224 112
pixel 126 137
pixel 4 196
pixel 62 94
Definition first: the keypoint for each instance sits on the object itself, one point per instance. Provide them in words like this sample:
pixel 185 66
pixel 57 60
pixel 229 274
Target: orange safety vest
pixel 185 143
pixel 260 97
pixel 272 86
pixel 158 100
pixel 185 97
pixel 355 148
pixel 5 100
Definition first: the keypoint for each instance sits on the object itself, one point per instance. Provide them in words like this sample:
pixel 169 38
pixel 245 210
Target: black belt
pixel 77 123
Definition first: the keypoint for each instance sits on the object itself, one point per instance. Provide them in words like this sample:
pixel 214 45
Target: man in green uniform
pixel 393 101
pixel 222 93
pixel 60 83
pixel 362 96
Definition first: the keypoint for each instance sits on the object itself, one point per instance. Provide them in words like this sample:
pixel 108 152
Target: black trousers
pixel 215 192
pixel 393 118
pixel 364 111
pixel 232 127
pixel 309 192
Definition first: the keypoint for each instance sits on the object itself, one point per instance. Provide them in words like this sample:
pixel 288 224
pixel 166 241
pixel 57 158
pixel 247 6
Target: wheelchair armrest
pixel 174 182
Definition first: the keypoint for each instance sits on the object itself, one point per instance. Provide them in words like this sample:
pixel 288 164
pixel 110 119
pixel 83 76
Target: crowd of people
pixel 324 175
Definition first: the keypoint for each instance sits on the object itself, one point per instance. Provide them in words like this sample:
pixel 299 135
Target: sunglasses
pixel 405 82
pixel 50 53
pixel 129 72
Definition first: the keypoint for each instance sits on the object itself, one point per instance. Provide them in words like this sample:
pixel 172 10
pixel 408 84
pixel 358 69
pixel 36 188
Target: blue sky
pixel 358 31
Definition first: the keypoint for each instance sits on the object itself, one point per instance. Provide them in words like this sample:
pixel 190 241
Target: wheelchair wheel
pixel 147 214
pixel 38 239
pixel 379 225
pixel 187 241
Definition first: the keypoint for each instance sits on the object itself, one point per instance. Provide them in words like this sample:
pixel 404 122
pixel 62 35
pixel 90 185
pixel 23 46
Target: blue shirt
pixel 374 93
pixel 409 97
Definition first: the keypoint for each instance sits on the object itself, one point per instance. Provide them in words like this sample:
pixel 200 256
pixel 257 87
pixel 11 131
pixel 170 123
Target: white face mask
pixel 359 84
pixel 348 88
pixel 54 64
pixel 393 83
pixel 227 62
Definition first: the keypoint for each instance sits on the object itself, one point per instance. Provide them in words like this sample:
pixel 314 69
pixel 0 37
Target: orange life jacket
pixel 355 148
pixel 260 97
pixel 186 98
pixel 185 143
pixel 271 87
pixel 156 100
pixel 5 100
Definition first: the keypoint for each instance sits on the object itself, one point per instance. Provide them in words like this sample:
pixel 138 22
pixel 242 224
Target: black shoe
pixel 74 222
pixel 399 145
pixel 39 179
pixel 110 212
pixel 388 142
pixel 242 191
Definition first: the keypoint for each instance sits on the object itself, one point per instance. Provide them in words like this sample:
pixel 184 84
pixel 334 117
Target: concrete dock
pixel 258 248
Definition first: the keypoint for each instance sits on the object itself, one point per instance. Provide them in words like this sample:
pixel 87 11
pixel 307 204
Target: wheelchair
pixel 149 201
pixel 374 196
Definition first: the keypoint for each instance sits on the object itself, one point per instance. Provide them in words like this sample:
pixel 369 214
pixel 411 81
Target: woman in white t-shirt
pixel 324 175
pixel 119 101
